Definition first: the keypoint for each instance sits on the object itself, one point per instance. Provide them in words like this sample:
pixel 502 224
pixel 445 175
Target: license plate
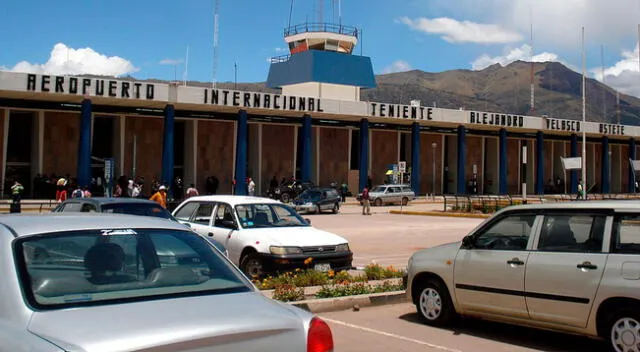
pixel 322 267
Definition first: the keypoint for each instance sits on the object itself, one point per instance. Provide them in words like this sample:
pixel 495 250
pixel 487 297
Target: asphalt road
pixel 398 328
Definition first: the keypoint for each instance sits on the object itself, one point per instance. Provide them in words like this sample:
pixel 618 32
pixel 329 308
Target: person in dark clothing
pixel 215 184
pixel 273 185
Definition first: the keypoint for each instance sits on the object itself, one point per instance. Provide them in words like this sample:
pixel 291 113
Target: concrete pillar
pixel 462 151
pixel 540 162
pixel 84 148
pixel 415 157
pixel 606 183
pixel 364 154
pixel 502 189
pixel 167 146
pixel 241 153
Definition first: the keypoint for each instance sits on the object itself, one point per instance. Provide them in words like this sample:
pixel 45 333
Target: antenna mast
pixel 604 88
pixel 215 42
pixel 532 102
pixel 186 66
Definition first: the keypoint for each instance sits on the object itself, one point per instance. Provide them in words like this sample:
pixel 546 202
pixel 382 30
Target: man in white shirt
pixel 251 187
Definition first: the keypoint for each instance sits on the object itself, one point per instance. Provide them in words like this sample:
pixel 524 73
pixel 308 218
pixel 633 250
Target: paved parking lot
pixel 399 328
pixel 390 239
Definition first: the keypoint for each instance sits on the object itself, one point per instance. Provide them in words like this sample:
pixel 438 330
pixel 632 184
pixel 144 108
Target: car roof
pixel 234 200
pixel 29 224
pixel 115 200
pixel 613 204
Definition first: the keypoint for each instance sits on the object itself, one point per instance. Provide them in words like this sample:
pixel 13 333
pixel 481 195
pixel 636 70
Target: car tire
pixel 285 197
pixel 623 329
pixel 377 202
pixel 434 304
pixel 336 208
pixel 252 266
pixel 405 201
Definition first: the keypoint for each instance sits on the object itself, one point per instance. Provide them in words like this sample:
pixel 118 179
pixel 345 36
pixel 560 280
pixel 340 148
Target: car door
pixel 201 219
pixel 225 230
pixel 489 269
pixel 565 268
pixel 184 213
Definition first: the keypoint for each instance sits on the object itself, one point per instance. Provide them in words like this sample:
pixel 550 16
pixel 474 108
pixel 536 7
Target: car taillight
pixel 319 338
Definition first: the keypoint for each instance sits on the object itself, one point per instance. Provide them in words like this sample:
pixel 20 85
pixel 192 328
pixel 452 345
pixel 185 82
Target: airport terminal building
pixel 316 129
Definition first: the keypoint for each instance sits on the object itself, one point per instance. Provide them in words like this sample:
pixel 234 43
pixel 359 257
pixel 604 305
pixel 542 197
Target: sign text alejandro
pixel 236 98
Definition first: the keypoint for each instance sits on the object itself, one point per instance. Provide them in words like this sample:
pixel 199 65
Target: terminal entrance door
pixel 20 150
pixel 102 147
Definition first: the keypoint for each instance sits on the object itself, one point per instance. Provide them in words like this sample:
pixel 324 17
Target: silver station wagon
pixel 133 283
pixel 571 267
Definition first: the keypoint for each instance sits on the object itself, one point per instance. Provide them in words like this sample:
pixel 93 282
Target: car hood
pixel 302 236
pixel 225 322
pixel 444 250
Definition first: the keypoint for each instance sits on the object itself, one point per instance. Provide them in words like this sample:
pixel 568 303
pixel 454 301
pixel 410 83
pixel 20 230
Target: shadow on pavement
pixel 519 336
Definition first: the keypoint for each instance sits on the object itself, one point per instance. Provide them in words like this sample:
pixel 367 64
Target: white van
pixel 263 235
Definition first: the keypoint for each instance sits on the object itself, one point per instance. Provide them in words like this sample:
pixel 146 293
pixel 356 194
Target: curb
pixel 437 213
pixel 323 305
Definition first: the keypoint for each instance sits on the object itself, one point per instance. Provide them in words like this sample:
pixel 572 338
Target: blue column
pixel 415 157
pixel 364 153
pixel 632 156
pixel 305 161
pixel 539 162
pixel 606 183
pixel 167 146
pixel 573 181
pixel 241 154
pixel 84 149
pixel 462 151
pixel 502 189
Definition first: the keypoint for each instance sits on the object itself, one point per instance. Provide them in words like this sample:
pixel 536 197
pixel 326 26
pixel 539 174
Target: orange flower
pixel 308 261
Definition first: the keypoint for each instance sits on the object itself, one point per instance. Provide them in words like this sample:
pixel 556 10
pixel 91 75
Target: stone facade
pixel 215 154
pixel 61 142
pixel 384 151
pixel 334 155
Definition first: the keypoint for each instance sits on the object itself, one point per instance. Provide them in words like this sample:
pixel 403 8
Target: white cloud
pixel 624 75
pixel 455 31
pixel 521 53
pixel 171 61
pixel 397 66
pixel 65 60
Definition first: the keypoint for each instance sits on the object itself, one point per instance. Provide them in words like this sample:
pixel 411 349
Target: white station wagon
pixel 262 235
pixel 571 267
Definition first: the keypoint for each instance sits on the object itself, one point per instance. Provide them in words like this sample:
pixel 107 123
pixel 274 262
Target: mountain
pixel 504 89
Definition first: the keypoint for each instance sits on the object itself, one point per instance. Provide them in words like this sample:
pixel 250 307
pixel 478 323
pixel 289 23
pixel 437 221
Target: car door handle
pixel 210 234
pixel 515 261
pixel 587 266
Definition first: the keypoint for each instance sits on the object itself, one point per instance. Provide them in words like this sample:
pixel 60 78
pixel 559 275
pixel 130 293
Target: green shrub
pixel 288 293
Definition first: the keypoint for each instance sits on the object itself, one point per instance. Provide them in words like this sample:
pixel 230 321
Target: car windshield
pixel 137 209
pixel 268 215
pixel 311 195
pixel 378 189
pixel 108 266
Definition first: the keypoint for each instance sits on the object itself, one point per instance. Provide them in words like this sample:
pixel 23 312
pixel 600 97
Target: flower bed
pixel 290 286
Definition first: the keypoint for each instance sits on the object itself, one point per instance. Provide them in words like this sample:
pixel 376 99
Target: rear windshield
pixel 109 266
pixel 137 209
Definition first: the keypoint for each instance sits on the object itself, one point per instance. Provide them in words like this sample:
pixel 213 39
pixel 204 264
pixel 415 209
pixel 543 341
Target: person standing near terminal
pixel 192 191
pixel 160 197
pixel 366 207
pixel 580 190
pixel 16 191
pixel 251 187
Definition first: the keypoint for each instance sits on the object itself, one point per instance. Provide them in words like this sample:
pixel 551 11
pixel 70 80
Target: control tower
pixel 321 63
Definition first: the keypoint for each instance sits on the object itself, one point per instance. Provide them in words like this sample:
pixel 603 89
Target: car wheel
pixel 624 330
pixel 405 201
pixel 285 197
pixel 336 208
pixel 252 266
pixel 377 202
pixel 434 304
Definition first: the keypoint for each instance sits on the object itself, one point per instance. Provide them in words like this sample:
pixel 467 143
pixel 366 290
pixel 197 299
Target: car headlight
pixel 342 247
pixel 285 250
pixel 309 204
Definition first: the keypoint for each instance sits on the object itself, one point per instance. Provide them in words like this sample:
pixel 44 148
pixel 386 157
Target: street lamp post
pixel 434 145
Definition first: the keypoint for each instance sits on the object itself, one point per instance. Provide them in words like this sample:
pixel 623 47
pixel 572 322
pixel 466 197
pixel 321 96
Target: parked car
pixel 97 282
pixel 389 194
pixel 291 189
pixel 317 200
pixel 571 267
pixel 130 206
pixel 263 235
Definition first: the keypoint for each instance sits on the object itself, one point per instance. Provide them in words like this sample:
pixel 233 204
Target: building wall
pixel 148 132
pixel 598 167
pixel 215 154
pixel 513 163
pixel 474 157
pixel 624 164
pixel 3 116
pixel 277 151
pixel 426 163
pixel 334 155
pixel 384 151
pixel 549 173
pixel 491 176
pixel 61 141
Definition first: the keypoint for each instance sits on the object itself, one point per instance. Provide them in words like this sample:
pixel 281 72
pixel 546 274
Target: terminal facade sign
pixel 234 98
pixel 401 111
pixel 563 125
pixel 98 87
pixel 492 119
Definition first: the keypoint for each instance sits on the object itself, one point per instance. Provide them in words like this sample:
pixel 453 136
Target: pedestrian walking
pixel 251 187
pixel 160 197
pixel 366 207
pixel 192 191
pixel 16 192
pixel 580 190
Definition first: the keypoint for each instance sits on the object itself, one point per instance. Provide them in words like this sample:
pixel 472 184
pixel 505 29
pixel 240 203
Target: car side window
pixel 186 211
pixel 203 213
pixel 626 239
pixel 572 233
pixel 224 214
pixel 390 190
pixel 71 206
pixel 87 207
pixel 510 233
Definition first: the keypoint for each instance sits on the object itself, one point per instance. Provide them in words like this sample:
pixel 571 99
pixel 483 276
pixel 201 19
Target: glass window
pixel 203 213
pixel 186 211
pixel 111 266
pixel 626 237
pixel 87 207
pixel 268 215
pixel 509 233
pixel 224 217
pixel 72 206
pixel 571 233
pixel 142 209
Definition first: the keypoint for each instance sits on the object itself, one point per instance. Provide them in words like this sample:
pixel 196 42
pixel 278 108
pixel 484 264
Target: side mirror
pixel 308 220
pixel 230 224
pixel 467 241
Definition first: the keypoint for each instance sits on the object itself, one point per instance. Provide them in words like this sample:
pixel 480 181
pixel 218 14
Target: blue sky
pixel 149 39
